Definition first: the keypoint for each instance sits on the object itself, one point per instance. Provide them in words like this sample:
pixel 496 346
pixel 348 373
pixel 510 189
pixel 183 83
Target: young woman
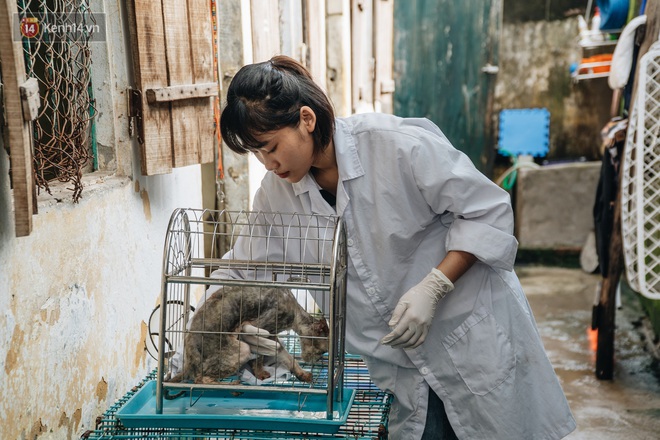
pixel 434 306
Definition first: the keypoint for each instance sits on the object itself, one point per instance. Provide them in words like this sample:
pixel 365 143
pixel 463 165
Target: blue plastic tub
pixel 224 409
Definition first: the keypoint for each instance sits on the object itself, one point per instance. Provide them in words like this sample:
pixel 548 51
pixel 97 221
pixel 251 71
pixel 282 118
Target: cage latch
pixel 135 123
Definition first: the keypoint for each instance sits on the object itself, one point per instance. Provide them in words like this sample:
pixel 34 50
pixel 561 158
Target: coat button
pixel 349 242
pixel 424 371
pixel 371 290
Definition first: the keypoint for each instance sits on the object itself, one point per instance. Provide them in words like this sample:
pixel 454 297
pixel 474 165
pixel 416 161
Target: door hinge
pixel 135 121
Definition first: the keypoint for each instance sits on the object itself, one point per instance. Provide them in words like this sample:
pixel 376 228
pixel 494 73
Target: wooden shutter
pixel 172 105
pixel 18 121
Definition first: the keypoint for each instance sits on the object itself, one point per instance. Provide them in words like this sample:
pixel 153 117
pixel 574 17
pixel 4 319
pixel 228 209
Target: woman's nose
pixel 270 163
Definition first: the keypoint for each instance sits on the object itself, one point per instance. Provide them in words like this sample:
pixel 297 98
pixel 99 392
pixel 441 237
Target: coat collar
pixel 350 167
pixel 348 160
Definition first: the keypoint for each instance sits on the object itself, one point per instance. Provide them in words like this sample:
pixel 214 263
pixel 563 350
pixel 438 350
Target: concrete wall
pixel 553 205
pixel 535 57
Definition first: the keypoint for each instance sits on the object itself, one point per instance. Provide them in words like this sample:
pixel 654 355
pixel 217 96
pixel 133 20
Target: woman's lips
pixel 283 175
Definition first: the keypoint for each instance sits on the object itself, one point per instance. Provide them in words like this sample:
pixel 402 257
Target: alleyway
pixel 627 407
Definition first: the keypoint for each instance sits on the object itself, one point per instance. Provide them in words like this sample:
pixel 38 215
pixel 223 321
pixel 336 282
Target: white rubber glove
pixel 413 314
pixel 258 340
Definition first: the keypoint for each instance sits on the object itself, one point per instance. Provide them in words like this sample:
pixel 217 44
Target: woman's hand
pixel 413 314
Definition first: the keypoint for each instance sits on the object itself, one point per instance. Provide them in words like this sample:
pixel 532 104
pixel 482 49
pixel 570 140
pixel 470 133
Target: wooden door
pixel 446 55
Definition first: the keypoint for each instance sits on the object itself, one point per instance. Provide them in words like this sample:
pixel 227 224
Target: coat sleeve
pixel 481 212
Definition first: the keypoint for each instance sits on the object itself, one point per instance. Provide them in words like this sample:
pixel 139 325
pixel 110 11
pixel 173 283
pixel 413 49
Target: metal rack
pixel 587 69
pixel 368 418
pixel 209 253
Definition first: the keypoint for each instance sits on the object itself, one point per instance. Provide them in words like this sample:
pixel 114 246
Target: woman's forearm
pixel 455 264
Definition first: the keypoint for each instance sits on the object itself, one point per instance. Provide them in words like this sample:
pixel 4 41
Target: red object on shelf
pixel 596 64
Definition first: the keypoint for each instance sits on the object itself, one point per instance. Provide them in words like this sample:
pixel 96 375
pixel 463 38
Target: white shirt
pixel 407 197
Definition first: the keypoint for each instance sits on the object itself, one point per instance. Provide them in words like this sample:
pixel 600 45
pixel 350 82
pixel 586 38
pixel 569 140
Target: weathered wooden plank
pixel 20 143
pixel 314 20
pixel 185 139
pixel 265 29
pixel 233 50
pixel 175 93
pixel 291 28
pixel 150 64
pixel 384 55
pixel 338 24
pixel 362 56
pixel 201 34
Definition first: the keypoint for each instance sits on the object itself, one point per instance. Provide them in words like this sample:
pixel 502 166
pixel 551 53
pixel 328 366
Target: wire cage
pixel 225 273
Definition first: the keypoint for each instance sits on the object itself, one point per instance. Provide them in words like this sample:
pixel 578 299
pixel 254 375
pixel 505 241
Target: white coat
pixel 407 197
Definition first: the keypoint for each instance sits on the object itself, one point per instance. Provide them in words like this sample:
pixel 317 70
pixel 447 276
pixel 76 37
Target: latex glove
pixel 413 314
pixel 259 341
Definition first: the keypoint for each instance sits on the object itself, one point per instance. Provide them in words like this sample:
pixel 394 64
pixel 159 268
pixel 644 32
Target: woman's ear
pixel 307 118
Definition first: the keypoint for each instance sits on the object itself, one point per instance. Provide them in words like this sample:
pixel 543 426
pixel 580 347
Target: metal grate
pixel 57 53
pixel 367 420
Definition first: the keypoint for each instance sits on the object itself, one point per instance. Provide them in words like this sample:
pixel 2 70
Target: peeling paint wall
pixel 76 295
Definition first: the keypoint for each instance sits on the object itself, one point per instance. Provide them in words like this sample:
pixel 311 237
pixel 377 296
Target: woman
pixel 434 307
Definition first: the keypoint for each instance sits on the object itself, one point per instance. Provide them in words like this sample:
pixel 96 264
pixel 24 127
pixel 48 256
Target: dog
pixel 213 350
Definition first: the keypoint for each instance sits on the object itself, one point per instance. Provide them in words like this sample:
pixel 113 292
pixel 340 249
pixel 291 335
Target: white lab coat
pixel 407 197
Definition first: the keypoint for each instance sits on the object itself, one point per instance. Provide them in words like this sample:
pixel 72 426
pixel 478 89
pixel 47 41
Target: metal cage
pixel 304 254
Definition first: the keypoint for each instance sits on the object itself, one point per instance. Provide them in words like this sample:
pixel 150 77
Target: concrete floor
pixel 628 407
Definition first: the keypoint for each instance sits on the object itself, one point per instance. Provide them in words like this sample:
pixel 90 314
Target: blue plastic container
pixel 225 409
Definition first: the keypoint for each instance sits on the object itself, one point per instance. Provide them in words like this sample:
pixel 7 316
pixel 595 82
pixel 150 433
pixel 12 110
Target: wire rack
pixel 640 186
pixel 368 418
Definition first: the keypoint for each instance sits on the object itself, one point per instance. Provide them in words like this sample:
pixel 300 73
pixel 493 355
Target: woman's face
pixel 289 151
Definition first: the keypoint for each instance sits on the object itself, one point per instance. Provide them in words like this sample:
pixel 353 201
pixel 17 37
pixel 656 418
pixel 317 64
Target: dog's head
pixel 314 344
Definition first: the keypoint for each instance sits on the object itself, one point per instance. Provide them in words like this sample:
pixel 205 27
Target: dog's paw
pixel 304 376
pixel 207 380
pixel 262 374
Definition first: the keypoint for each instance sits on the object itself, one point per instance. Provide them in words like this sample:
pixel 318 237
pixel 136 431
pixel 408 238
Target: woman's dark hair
pixel 267 96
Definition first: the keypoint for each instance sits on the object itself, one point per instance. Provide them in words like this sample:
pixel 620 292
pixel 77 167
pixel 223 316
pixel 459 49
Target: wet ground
pixel 627 407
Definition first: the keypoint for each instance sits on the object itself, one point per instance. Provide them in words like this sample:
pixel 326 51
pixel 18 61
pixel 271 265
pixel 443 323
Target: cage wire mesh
pixel 640 186
pixel 285 273
pixel 368 418
pixel 59 56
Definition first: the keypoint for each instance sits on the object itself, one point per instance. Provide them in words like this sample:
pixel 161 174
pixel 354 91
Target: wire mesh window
pixel 56 37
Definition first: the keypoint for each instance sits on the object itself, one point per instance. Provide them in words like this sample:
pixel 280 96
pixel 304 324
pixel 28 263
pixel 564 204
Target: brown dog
pixel 212 349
